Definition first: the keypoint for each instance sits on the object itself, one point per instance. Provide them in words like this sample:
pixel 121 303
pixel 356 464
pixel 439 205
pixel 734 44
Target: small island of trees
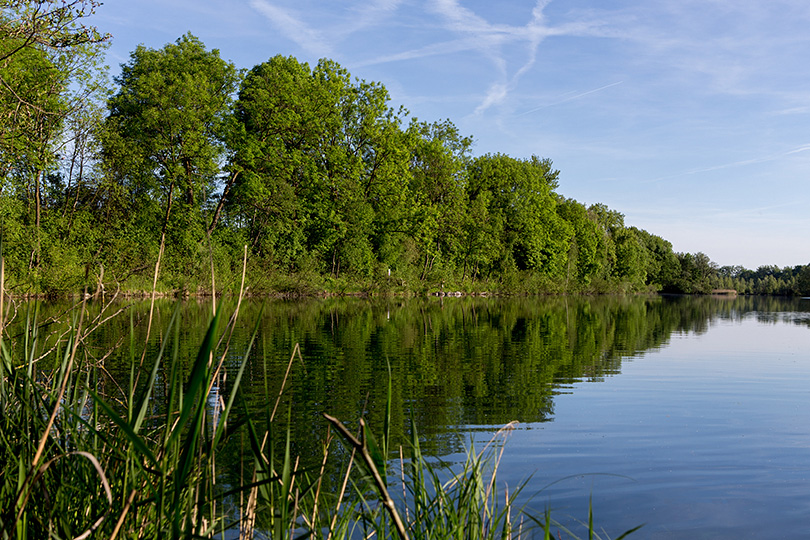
pixel 185 162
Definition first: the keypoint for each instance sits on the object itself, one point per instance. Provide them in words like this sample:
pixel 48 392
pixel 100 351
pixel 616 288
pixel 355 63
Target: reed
pixel 437 502
pixel 81 461
pixel 83 465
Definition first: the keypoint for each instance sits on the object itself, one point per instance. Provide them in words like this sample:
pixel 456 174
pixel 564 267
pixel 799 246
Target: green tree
pixel 698 274
pixel 520 194
pixel 43 48
pixel 362 185
pixel 631 258
pixel 30 132
pixel 35 35
pixel 803 280
pixel 439 157
pixel 165 133
pixel 662 264
pixel 483 238
pixel 49 72
pixel 322 164
pixel 280 115
pixel 584 261
pixel 610 223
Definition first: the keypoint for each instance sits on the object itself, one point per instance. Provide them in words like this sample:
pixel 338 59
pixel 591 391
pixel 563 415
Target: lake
pixel 688 414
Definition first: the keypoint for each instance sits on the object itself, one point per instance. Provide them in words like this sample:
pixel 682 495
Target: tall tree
pixel 439 158
pixel 49 27
pixel 521 192
pixel 632 259
pixel 49 66
pixel 164 136
pixel 322 164
pixel 584 263
pixel 39 40
pixel 662 264
pixel 362 179
pixel 280 116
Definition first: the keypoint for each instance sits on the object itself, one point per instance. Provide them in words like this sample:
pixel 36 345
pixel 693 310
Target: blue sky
pixel 690 117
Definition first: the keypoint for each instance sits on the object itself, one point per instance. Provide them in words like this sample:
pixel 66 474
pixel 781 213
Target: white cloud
pixel 490 40
pixel 742 163
pixel 293 28
pixel 571 98
pixel 323 42
pixel 367 15
pixel 434 49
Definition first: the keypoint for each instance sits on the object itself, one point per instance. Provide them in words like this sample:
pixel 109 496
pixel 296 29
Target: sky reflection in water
pixel 708 437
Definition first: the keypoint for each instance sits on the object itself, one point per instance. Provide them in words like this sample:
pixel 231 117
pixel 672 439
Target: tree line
pixel 185 162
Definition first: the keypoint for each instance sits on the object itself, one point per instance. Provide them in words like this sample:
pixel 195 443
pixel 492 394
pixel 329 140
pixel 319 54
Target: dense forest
pixel 185 165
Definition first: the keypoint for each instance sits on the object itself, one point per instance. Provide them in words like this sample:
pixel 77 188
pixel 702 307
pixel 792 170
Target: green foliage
pixel 43 47
pixel 164 139
pixel 698 275
pixel 314 171
pixel 322 165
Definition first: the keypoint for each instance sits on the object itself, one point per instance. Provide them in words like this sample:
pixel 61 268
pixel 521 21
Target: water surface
pixel 690 415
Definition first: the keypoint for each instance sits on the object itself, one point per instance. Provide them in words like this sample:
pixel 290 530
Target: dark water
pixel 691 415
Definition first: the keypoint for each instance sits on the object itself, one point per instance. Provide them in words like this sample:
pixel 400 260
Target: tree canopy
pixel 329 185
pixel 164 137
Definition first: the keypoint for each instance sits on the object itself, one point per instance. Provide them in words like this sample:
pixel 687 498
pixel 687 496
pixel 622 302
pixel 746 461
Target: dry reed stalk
pixel 152 300
pixel 295 499
pixel 508 525
pixel 342 493
pixel 231 323
pixel 248 523
pixel 2 295
pixel 362 447
pixel 124 512
pixel 326 445
pixel 61 393
pixel 297 350
pixel 402 479
pixel 213 278
pixel 503 432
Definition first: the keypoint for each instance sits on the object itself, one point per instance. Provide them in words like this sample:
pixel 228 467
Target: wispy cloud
pixel 366 15
pixel 323 42
pixel 309 39
pixel 491 41
pixel 718 47
pixel 570 98
pixel 490 38
pixel 741 163
pixel 510 50
pixel 434 49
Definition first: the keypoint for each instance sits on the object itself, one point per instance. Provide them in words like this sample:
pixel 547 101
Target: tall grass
pixel 79 461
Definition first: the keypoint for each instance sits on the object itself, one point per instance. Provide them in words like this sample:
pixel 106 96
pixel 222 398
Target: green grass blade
pixel 132 437
pixel 628 533
pixel 197 378
pixel 150 386
pixel 235 387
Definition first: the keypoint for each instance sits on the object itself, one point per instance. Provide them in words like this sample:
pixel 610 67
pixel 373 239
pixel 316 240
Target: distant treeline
pixel 186 160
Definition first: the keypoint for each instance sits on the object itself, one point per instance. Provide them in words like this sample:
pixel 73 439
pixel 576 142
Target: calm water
pixel 709 434
pixel 691 415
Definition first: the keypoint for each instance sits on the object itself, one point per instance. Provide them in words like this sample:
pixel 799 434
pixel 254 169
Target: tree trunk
pixel 424 268
pixel 221 203
pixel 166 217
pixel 38 204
